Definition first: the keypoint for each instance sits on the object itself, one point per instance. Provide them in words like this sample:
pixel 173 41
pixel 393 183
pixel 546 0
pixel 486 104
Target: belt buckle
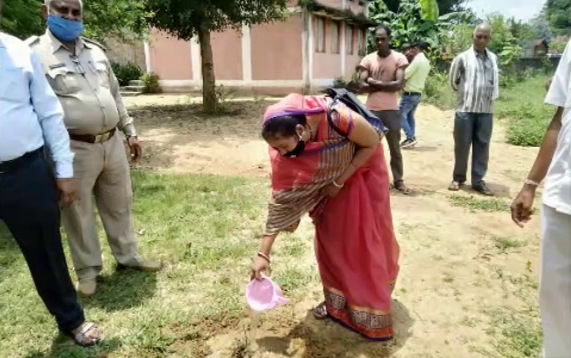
pixel 101 137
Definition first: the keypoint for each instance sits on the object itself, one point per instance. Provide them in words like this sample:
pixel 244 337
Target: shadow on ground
pixel 326 339
pixel 64 347
pixel 122 290
pixel 10 253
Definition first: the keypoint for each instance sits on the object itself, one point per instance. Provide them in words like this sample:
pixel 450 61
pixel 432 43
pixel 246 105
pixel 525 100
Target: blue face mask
pixel 64 29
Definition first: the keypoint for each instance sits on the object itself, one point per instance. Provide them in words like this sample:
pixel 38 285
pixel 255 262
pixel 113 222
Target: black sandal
pixel 320 312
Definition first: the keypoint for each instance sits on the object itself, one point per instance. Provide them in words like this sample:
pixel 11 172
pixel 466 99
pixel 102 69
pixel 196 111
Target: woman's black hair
pixel 282 126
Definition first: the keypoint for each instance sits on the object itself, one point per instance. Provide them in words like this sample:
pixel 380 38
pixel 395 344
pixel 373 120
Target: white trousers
pixel 555 284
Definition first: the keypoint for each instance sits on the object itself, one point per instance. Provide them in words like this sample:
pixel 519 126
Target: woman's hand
pixel 331 190
pixel 259 267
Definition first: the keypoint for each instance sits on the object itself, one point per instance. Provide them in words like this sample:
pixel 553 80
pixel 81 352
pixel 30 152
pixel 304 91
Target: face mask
pixel 64 29
pixel 299 148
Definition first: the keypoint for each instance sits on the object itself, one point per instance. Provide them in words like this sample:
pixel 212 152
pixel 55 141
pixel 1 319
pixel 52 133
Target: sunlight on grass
pixel 505 244
pixel 205 229
pixel 476 204
pixel 516 330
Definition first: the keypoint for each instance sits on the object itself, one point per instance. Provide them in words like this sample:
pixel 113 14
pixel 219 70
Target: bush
pixel 438 92
pixel 527 116
pixel 151 83
pixel 126 73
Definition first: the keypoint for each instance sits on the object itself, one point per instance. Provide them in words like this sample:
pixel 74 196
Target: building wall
pixel 124 52
pixel 169 57
pixel 226 50
pixel 328 64
pixel 276 50
pixel 275 57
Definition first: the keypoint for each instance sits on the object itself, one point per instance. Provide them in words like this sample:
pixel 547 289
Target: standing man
pixel 382 77
pixel 415 76
pixel 31 117
pixel 553 163
pixel 81 76
pixel 406 50
pixel 474 76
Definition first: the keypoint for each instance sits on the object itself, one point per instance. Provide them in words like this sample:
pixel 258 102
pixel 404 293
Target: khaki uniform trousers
pixel 101 170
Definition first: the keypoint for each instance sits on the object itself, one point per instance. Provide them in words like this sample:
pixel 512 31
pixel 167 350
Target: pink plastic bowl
pixel 264 295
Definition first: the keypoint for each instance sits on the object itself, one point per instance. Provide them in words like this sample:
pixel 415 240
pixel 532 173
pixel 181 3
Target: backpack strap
pixel 332 123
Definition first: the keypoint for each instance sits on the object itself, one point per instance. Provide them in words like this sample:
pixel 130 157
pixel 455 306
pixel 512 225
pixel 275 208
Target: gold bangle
pixel 265 257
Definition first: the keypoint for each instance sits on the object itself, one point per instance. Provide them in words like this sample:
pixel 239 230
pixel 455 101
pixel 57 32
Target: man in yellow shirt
pixel 415 77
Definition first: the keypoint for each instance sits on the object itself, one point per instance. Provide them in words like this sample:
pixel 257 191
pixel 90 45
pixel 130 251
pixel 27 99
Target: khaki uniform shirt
pixel 85 85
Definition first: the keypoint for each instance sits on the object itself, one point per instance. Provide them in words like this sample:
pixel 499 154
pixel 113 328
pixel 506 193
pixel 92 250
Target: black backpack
pixel 349 99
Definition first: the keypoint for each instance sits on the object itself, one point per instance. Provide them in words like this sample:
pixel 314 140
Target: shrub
pixel 126 72
pixel 438 92
pixel 151 83
pixel 527 116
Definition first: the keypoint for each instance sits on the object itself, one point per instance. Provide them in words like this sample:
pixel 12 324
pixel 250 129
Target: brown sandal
pixel 320 312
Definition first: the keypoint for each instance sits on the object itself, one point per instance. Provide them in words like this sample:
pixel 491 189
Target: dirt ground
pixel 454 268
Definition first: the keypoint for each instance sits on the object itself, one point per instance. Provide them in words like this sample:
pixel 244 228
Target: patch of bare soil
pixel 179 140
pixel 454 267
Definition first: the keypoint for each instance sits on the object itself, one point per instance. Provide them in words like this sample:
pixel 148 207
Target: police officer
pixel 81 76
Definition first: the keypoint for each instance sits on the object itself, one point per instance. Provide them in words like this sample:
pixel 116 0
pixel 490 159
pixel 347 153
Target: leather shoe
pixel 87 287
pixel 143 265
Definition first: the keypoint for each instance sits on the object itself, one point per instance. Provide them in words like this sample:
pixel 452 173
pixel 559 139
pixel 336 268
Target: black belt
pixel 412 93
pixel 15 164
pixel 90 138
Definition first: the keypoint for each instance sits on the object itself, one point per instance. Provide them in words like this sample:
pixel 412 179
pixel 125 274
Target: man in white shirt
pixel 554 164
pixel 31 117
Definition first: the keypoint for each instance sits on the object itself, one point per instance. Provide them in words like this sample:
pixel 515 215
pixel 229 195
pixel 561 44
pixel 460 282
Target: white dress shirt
pixel 30 113
pixel 557 191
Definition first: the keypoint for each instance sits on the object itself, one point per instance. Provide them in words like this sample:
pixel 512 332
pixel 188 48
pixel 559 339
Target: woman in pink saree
pixel 341 180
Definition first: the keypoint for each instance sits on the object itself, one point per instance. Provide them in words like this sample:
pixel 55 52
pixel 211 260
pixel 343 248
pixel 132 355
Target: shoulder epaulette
pixel 31 40
pixel 94 43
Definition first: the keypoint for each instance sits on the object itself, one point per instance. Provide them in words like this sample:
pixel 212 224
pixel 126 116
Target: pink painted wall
pixel 227 52
pixel 277 50
pixel 170 57
pixel 354 59
pixel 326 65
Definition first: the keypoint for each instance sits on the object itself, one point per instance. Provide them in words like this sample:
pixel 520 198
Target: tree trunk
pixel 209 100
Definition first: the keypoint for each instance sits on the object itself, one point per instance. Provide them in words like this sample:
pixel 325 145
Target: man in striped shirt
pixel 474 77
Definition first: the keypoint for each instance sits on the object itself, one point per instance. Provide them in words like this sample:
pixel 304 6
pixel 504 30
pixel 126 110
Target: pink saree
pixel 356 248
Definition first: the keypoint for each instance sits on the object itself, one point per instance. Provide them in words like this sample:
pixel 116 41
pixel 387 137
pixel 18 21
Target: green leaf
pixel 429 9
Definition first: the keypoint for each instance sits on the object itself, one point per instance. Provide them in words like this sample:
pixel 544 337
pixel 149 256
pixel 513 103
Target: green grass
pixel 505 244
pixel 516 330
pixel 522 105
pixel 205 229
pixel 474 204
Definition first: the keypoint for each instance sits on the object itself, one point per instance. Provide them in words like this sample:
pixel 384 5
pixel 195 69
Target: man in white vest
pixel 553 163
